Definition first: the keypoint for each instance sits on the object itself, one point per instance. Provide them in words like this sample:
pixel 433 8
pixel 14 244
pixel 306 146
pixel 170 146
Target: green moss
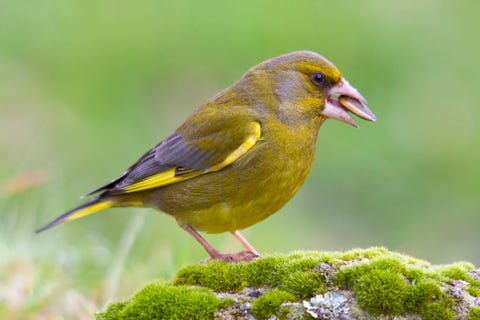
pixel 347 277
pixel 414 273
pixel 304 284
pixel 441 310
pixel 381 292
pixel 276 270
pixel 225 303
pixel 292 273
pixel 375 253
pixel 359 254
pixel 163 301
pixel 418 296
pixel 216 275
pixel 393 284
pixel 270 271
pixel 473 290
pixel 474 314
pixel 268 303
pixel 112 311
pixel 457 271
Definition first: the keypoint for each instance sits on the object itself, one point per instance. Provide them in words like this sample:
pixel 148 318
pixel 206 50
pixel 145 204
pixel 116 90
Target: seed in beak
pixel 357 107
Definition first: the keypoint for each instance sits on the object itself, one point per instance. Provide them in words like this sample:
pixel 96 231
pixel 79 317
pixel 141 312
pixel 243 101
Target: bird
pixel 241 155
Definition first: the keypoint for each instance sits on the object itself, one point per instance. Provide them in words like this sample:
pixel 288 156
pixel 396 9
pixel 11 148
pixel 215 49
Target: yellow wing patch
pixel 168 176
pixel 244 147
pixel 160 179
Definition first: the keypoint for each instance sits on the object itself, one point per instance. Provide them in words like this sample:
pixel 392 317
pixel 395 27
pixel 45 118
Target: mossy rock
pixel 358 284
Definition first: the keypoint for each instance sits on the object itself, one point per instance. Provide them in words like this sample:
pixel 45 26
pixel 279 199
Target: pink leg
pixel 244 242
pixel 215 255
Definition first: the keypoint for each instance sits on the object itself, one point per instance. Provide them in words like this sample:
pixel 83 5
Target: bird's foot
pixel 242 256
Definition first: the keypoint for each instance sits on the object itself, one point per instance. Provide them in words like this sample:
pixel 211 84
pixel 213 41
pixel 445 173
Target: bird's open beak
pixel 342 99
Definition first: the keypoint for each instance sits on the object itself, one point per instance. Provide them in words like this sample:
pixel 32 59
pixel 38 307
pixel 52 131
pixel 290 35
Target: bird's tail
pixel 80 211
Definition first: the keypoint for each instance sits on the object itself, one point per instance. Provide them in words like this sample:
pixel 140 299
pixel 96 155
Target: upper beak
pixel 343 98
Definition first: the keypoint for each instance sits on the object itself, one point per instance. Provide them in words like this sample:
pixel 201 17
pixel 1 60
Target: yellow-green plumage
pixel 249 190
pixel 241 155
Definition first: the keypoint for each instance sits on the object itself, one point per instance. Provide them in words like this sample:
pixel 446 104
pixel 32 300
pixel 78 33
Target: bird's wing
pixel 194 149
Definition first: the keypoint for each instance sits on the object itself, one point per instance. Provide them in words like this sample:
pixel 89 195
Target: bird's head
pixel 306 84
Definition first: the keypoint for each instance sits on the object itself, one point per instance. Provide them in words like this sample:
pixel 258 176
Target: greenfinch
pixel 242 155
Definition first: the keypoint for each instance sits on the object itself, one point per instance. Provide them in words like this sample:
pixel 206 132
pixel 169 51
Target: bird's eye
pixel 318 78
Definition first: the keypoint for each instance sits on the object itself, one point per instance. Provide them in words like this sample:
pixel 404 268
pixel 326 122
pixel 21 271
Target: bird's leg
pixel 244 242
pixel 215 255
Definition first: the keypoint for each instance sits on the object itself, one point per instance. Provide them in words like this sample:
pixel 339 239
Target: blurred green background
pixel 86 87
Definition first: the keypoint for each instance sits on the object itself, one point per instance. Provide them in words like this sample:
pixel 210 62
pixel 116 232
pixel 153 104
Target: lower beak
pixel 342 99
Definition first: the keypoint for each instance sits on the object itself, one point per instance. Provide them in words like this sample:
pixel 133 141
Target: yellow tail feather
pixel 81 211
pixel 88 210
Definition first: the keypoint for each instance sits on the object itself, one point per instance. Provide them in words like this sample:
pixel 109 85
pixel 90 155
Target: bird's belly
pixel 232 199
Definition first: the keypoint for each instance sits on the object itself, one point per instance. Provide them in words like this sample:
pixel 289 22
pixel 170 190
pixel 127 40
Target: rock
pixel 359 284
